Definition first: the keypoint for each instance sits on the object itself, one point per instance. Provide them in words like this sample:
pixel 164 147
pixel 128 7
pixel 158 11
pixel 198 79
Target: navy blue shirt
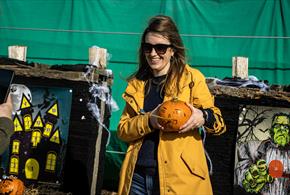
pixel 147 156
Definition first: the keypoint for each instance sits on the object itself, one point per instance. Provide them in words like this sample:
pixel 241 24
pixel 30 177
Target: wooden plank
pixel 45 72
pixel 249 93
pixel 98 149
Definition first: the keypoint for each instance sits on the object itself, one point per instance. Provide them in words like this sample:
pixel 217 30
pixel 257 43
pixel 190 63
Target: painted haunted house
pixel 36 148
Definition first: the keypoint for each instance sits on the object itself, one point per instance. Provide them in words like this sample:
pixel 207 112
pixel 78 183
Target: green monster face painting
pixel 280 130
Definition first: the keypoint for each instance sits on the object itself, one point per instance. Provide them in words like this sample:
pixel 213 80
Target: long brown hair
pixel 164 26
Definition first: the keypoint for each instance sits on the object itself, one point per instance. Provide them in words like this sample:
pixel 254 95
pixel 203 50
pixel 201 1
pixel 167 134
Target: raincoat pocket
pixel 192 164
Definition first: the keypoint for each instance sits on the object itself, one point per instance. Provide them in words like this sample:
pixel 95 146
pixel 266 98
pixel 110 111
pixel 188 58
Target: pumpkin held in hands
pixel 173 114
pixel 12 186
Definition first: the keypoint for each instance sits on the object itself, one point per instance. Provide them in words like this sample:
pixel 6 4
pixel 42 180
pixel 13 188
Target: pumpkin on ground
pixel 172 114
pixel 12 186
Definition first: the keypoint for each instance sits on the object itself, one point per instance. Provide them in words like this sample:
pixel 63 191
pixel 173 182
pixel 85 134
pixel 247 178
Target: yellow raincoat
pixel 182 163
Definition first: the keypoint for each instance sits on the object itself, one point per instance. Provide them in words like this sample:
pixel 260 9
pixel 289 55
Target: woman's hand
pixel 196 120
pixel 153 119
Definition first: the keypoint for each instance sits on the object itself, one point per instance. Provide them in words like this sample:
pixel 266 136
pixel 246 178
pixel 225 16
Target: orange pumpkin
pixel 172 114
pixel 12 186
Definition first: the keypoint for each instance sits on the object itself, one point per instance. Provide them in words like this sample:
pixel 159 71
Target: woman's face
pixel 158 52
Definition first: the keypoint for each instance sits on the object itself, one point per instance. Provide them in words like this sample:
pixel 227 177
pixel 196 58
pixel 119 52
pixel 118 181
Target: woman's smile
pixel 159 63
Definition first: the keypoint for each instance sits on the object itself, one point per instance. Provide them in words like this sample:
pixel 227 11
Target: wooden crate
pixel 85 150
pixel 221 148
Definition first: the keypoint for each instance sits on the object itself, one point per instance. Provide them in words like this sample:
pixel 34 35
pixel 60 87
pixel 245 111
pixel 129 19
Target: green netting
pixel 61 31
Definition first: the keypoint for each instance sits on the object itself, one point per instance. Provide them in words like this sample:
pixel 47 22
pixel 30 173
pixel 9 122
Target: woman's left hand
pixel 196 120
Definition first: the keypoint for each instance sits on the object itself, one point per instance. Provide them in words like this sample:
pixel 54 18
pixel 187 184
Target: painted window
pixel 27 122
pixel 50 162
pixel 47 129
pixel 15 146
pixel 55 137
pixel 17 124
pixel 14 164
pixel 35 138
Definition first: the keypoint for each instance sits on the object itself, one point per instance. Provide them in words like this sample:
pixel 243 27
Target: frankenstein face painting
pixel 280 129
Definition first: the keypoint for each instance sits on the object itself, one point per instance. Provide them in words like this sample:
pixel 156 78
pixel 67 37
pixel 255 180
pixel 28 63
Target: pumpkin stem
pixel 175 98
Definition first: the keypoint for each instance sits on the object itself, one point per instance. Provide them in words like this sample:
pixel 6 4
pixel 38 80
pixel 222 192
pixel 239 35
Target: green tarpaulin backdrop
pixel 61 31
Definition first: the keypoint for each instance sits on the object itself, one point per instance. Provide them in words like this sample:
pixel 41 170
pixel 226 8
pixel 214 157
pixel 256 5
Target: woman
pixel 159 162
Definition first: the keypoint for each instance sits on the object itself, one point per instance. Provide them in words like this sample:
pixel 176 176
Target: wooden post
pixel 240 67
pixel 98 147
pixel 98 57
pixel 17 52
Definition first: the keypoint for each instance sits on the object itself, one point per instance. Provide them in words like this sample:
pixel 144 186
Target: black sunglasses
pixel 160 49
